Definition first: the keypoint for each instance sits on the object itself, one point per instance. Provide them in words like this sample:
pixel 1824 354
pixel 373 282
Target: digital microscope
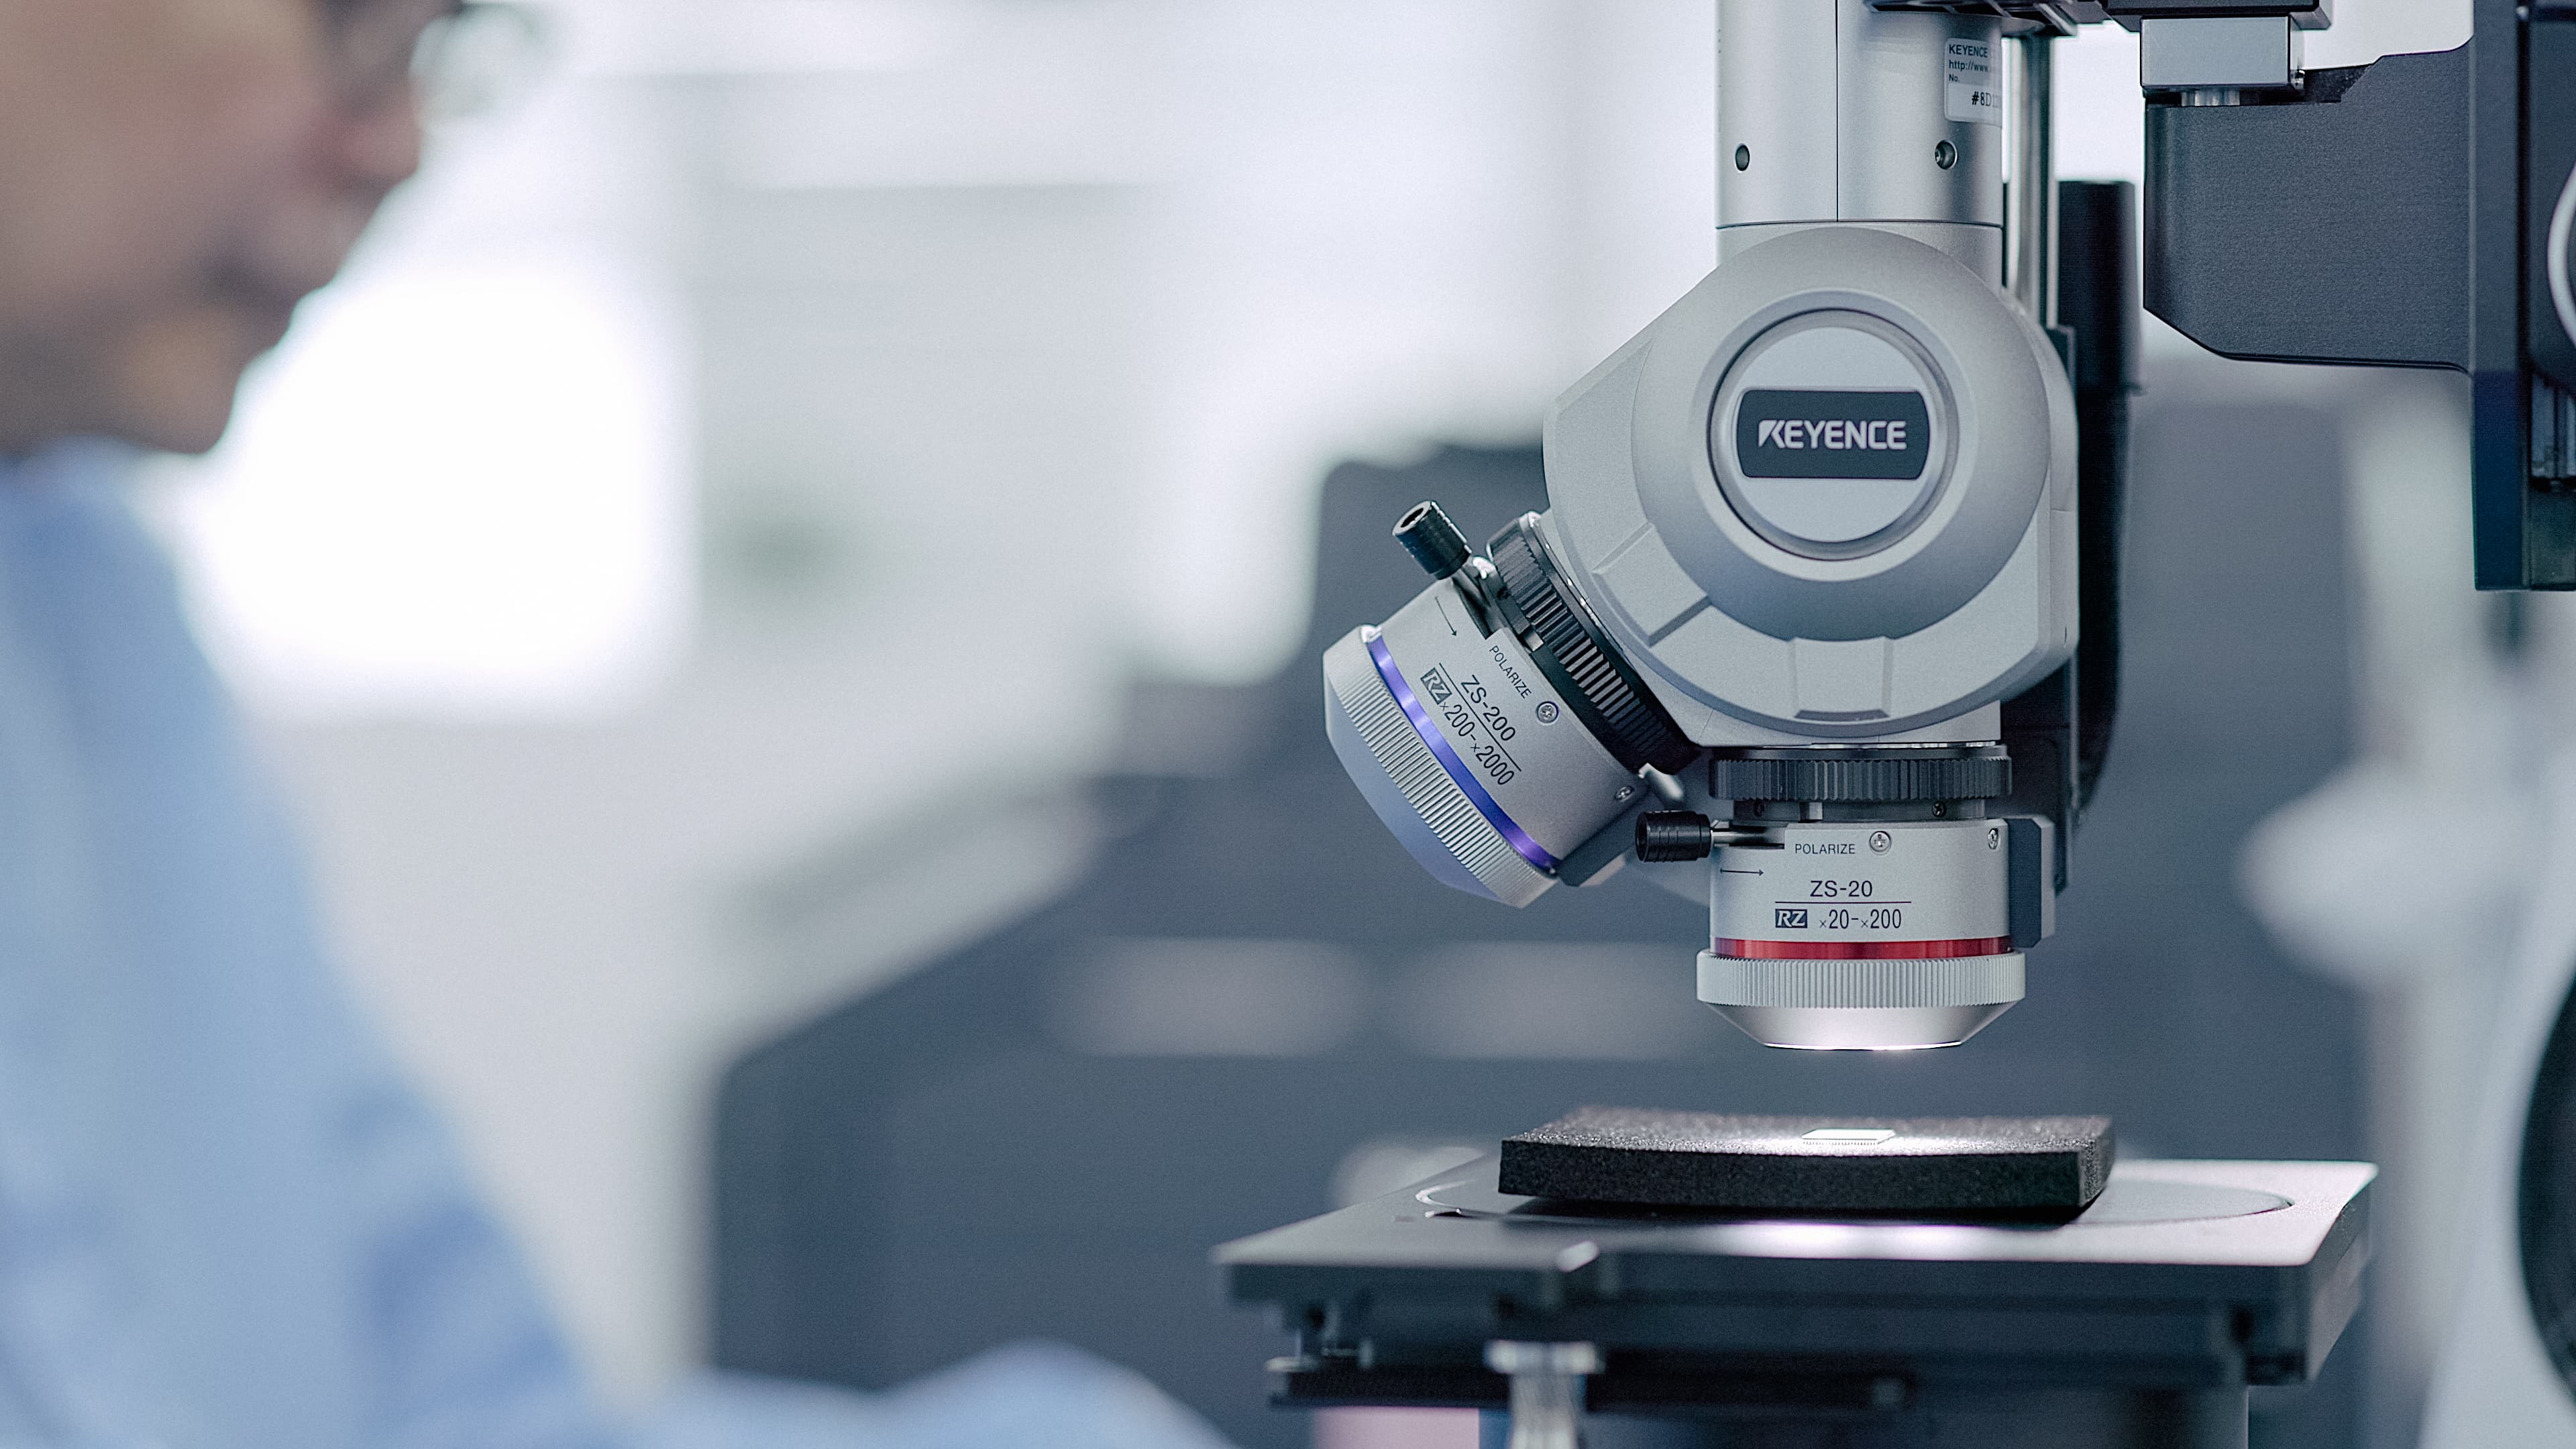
pixel 1820 625
pixel 1825 595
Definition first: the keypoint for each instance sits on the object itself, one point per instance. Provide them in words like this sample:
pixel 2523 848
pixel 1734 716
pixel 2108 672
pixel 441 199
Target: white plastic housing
pixel 1746 639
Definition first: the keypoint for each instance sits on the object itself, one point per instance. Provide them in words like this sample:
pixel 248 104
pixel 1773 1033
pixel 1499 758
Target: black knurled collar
pixel 1578 659
pixel 1984 773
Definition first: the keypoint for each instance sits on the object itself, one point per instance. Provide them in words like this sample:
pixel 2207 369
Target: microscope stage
pixel 2181 1275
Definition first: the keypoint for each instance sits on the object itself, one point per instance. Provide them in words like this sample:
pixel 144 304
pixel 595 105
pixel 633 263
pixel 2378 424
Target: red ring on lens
pixel 1861 950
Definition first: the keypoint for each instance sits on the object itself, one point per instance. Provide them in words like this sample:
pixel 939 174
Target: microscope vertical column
pixel 1835 112
pixel 2034 195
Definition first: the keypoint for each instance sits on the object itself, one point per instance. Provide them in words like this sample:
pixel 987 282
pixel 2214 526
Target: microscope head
pixel 1804 534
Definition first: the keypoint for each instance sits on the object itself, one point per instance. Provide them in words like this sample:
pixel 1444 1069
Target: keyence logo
pixel 1880 434
pixel 1823 433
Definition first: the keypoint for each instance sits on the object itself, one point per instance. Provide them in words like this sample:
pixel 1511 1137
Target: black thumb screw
pixel 1432 539
pixel 1670 835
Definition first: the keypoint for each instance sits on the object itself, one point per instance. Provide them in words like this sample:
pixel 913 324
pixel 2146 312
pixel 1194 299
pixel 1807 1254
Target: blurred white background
pixel 793 419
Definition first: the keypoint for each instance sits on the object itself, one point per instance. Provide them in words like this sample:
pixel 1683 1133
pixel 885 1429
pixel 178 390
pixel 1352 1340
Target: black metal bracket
pixel 2059 731
pixel 2062 16
pixel 2394 214
pixel 2306 14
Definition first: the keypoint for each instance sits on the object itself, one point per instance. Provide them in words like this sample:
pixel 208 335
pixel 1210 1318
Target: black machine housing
pixel 2397 214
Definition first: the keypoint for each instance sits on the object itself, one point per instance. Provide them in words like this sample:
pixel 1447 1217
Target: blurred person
pixel 225 1220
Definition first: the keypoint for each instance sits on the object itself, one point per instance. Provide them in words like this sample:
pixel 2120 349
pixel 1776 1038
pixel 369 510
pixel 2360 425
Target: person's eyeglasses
pixel 457 58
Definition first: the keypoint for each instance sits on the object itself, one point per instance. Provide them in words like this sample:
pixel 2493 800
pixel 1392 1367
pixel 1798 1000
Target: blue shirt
pixel 225 1218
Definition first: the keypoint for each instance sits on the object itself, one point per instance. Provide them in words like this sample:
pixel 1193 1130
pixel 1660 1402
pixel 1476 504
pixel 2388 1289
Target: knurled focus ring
pixel 1874 780
pixel 1578 660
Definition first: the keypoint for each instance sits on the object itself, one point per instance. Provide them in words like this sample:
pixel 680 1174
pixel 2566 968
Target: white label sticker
pixel 1972 92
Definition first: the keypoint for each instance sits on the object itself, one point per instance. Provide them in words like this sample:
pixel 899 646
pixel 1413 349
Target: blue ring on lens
pixel 1530 850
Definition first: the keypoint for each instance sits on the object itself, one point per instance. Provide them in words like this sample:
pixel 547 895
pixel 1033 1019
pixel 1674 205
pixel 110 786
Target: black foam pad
pixel 1931 1166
